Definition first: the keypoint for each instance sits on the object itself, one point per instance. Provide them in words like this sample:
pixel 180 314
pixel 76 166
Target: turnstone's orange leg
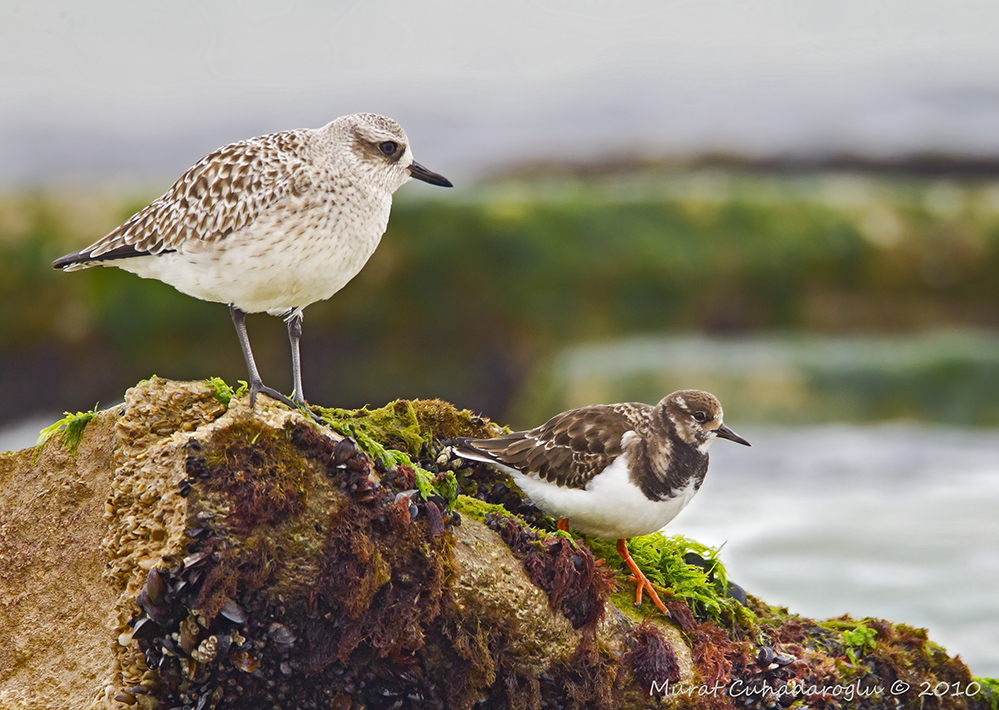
pixel 638 576
pixel 563 524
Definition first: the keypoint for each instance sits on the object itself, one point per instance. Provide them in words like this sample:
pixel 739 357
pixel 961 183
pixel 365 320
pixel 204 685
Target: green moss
pixel 223 392
pixel 72 426
pixel 989 693
pixel 858 640
pixel 406 426
pixel 662 559
pixel 624 599
pixel 477 509
pixel 404 432
pixel 480 510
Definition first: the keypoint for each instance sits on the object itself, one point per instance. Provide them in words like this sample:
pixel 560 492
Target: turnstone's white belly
pixel 610 506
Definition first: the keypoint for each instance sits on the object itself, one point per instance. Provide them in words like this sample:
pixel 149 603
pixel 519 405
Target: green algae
pixel 858 640
pixel 989 691
pixel 222 392
pixel 407 426
pixel 395 423
pixel 368 428
pixel 479 509
pixel 482 511
pixel 71 426
pixel 408 432
pixel 662 559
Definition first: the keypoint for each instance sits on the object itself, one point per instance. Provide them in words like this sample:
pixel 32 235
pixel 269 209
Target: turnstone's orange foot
pixel 638 576
pixel 614 471
pixel 269 224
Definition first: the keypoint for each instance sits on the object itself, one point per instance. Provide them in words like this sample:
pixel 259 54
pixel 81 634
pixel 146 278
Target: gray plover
pixel 613 470
pixel 269 224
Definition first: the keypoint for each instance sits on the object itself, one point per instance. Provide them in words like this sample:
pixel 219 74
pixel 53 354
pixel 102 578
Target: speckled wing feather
pixel 222 193
pixel 568 450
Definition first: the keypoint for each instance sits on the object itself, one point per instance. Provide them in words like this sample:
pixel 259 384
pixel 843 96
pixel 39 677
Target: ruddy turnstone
pixel 269 224
pixel 613 470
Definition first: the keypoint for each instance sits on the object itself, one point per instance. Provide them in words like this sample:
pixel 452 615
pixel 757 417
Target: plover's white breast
pixel 302 249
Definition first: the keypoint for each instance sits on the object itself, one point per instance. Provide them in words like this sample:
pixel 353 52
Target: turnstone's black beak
pixel 723 432
pixel 421 173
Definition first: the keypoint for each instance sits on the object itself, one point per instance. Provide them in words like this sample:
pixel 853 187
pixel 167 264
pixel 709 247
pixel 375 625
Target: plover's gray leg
pixel 256 384
pixel 294 336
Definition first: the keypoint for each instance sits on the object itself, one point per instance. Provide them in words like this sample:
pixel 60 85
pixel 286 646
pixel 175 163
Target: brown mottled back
pixel 222 193
pixel 570 448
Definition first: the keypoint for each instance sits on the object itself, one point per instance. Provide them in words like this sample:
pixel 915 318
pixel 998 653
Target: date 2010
pixel 944 688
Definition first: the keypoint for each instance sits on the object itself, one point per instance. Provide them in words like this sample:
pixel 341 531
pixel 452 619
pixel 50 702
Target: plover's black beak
pixel 723 432
pixel 421 173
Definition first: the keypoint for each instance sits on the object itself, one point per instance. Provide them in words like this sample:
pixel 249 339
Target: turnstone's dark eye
pixel 700 416
pixel 388 147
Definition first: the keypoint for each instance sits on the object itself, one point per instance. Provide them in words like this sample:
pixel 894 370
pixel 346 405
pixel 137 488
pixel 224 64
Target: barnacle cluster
pixel 222 627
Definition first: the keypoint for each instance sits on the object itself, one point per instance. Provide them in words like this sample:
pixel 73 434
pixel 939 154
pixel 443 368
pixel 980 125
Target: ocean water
pixel 489 89
pixel 25 433
pixel 893 521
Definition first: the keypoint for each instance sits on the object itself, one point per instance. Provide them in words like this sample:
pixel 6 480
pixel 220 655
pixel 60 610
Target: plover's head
pixel 375 149
pixel 697 418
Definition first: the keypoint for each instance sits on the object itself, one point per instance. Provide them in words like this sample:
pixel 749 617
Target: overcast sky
pixel 132 89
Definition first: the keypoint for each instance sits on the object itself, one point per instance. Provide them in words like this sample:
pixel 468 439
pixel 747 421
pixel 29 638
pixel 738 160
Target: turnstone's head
pixel 376 149
pixel 697 418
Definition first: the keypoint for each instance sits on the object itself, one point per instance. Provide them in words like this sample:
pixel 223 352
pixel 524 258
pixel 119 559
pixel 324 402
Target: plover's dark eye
pixel 388 147
pixel 700 416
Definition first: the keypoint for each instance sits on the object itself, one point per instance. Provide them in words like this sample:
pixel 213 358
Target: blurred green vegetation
pixel 942 376
pixel 472 291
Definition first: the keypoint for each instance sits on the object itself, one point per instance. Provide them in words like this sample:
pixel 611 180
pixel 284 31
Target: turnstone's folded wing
pixel 568 450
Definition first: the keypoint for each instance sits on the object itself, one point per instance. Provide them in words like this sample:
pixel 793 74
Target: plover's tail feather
pixel 219 195
pixel 83 259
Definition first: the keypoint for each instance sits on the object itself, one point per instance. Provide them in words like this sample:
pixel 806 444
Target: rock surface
pixel 55 604
pixel 192 553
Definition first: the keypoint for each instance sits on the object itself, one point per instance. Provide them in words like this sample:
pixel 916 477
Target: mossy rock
pixel 255 559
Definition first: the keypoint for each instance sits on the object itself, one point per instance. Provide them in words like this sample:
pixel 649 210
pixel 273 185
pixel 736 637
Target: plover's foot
pixel 261 388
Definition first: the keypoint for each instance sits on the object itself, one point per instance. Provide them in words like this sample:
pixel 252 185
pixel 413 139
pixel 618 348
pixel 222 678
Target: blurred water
pixel 122 90
pixel 24 433
pixel 891 521
pixel 941 376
